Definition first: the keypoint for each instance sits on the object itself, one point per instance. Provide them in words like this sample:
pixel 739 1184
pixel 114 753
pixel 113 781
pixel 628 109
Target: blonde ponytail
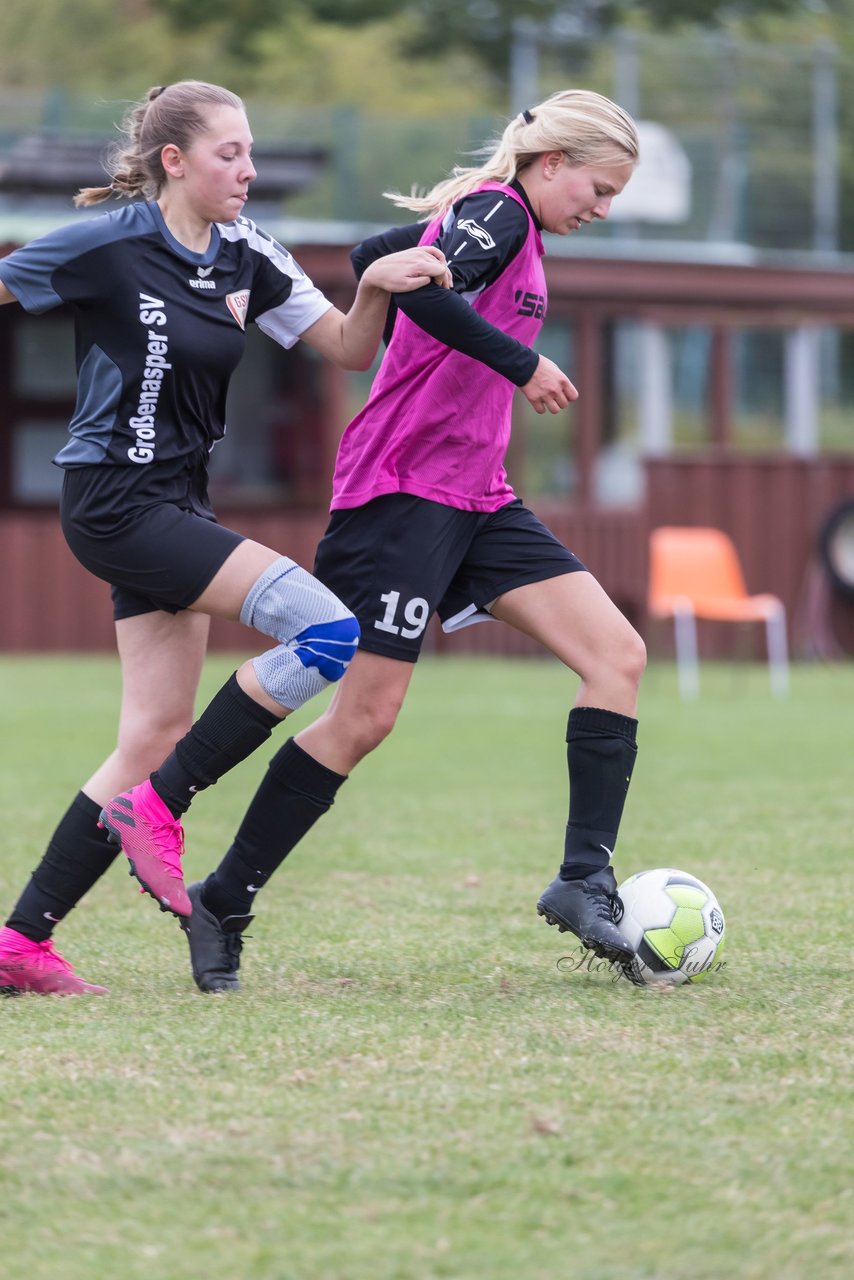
pixel 587 127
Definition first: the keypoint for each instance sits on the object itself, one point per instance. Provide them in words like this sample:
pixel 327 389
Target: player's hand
pixel 549 390
pixel 409 269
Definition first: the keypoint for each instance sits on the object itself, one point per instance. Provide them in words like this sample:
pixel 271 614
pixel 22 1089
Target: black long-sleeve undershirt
pixel 445 314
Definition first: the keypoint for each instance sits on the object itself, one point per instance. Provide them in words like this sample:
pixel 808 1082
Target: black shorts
pixel 398 559
pixel 148 531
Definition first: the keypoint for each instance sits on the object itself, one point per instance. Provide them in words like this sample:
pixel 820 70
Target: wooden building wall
pixel 52 604
pixel 774 507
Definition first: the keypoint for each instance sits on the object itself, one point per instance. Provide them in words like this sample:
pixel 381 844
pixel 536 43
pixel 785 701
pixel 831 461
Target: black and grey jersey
pixel 158 329
pixel 480 236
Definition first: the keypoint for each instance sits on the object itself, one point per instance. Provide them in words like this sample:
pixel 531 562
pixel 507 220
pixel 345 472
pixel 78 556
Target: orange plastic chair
pixel 696 573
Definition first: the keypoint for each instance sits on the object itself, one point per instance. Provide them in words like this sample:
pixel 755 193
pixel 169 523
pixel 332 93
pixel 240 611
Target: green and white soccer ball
pixel 675 924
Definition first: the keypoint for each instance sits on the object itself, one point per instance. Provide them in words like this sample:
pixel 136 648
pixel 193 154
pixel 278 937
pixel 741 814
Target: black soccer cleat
pixel 591 909
pixel 215 945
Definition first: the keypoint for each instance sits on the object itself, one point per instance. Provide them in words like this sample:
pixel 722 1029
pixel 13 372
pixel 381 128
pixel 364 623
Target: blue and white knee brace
pixel 318 635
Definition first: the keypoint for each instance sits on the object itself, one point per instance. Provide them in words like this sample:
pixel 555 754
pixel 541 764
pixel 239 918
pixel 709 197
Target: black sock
pixel 76 857
pixel 294 793
pixel 601 747
pixel 230 728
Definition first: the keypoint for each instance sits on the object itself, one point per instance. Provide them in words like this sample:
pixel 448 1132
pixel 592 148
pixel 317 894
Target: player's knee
pixel 633 658
pixel 287 603
pixel 612 669
pixel 360 738
pixel 622 654
pixel 328 646
pixel 317 634
pixel 319 655
pixel 374 726
pixel 360 720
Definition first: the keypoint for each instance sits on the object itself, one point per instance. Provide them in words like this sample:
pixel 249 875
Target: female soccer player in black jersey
pixel 161 291
pixel 424 520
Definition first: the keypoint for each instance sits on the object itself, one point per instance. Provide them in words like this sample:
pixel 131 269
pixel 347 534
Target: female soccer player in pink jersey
pixel 424 520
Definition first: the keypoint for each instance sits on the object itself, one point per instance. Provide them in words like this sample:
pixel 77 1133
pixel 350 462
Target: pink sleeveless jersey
pixel 437 422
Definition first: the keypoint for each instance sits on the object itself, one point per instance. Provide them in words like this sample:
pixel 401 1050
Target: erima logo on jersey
pixel 238 305
pixel 477 232
pixel 201 281
pixel 202 284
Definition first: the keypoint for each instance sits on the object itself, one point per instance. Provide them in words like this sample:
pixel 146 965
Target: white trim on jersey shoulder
pixel 262 242
pixel 304 305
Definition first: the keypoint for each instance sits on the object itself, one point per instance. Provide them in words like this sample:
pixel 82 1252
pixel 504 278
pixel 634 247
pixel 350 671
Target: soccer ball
pixel 675 924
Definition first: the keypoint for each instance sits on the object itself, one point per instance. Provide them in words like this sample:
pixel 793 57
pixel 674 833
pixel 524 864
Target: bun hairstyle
pixel 174 113
pixel 587 127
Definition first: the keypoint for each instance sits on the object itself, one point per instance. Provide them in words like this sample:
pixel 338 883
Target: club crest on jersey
pixel 238 305
pixel 476 231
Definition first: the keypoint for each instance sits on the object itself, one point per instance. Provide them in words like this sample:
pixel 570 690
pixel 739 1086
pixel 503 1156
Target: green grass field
pixel 409 1086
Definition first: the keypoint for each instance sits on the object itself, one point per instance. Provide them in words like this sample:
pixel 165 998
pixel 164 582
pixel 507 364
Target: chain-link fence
pixel 763 127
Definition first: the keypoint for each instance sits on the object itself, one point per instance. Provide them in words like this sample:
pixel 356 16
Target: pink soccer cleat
pixel 153 841
pixel 36 967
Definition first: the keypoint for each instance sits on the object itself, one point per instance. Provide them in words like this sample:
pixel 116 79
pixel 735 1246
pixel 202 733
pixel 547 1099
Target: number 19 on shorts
pixel 414 614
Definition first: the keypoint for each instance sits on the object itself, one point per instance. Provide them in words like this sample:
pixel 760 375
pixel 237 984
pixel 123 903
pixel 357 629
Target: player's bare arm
pixel 6 295
pixel 407 269
pixel 351 340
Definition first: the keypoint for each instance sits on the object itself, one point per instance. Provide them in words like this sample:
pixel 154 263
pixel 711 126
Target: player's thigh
pixel 161 657
pixel 510 548
pixel 574 618
pixel 226 593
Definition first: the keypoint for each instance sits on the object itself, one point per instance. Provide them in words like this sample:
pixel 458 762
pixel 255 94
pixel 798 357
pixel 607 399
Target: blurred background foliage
pixel 758 94
pixel 410 56
pixel 399 90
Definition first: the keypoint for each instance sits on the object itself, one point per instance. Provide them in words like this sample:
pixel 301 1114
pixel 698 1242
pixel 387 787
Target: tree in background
pixel 392 88
pixel 483 28
pixel 107 50
pixel 424 56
